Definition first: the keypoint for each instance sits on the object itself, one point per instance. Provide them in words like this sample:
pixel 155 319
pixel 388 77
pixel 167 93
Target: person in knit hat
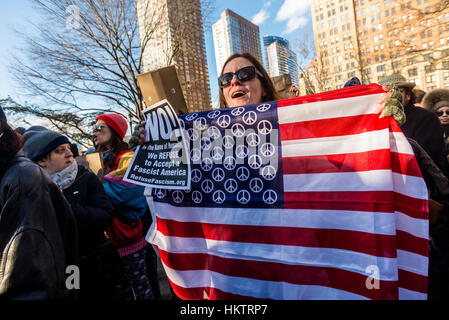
pixel 420 124
pixel 126 232
pixel 437 101
pixel 85 193
pixel 39 237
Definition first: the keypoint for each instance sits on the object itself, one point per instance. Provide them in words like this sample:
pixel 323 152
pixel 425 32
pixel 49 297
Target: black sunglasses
pixel 98 127
pixel 244 74
pixel 440 113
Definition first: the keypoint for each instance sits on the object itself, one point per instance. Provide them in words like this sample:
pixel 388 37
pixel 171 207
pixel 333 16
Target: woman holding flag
pixel 126 232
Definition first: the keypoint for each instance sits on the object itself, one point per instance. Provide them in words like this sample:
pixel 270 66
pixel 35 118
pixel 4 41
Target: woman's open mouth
pixel 238 94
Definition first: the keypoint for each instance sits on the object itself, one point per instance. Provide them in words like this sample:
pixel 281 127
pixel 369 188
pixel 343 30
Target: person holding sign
pixel 126 231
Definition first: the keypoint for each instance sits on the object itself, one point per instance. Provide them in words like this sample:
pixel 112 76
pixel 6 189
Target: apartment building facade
pixel 233 33
pixel 280 59
pixel 175 37
pixel 373 38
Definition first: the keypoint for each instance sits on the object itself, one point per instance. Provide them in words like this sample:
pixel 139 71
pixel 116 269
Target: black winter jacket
pixel 38 234
pixel 92 209
pixel 424 127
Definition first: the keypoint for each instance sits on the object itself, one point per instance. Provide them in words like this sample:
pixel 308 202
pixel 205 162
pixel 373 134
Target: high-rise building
pixel 373 38
pixel 175 30
pixel 280 59
pixel 234 34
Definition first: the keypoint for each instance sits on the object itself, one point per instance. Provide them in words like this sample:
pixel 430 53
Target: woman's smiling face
pixel 240 93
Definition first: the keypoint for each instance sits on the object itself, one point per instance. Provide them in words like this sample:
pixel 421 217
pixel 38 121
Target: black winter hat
pixel 39 141
pixel 2 114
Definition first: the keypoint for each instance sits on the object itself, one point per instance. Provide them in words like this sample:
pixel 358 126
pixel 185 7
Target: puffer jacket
pixel 38 234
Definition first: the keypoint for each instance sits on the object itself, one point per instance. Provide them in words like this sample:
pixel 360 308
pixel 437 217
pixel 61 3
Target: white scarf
pixel 66 177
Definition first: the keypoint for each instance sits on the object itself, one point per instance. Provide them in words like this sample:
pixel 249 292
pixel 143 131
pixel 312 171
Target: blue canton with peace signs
pixel 235 156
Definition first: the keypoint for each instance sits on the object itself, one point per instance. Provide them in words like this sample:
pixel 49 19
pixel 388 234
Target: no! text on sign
pixel 163 161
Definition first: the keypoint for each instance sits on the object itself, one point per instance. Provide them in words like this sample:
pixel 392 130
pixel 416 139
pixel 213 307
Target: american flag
pixel 324 201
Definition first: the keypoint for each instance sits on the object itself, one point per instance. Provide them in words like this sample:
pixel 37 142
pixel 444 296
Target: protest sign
pixel 161 162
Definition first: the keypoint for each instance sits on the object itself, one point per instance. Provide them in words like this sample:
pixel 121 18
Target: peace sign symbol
pixel 255 161
pixel 219 197
pixel 218 174
pixel 193 134
pixel 217 153
pixel 237 111
pixel 238 130
pixel 224 121
pixel 267 149
pixel 231 185
pixel 228 142
pixel 192 116
pixel 205 143
pixel 206 164
pixel 213 114
pixel 214 132
pixel 243 196
pixel 229 163
pixel 250 117
pixel 269 196
pixel 195 155
pixel 268 172
pixel 197 196
pixel 263 107
pixel 242 173
pixel 264 127
pixel 182 123
pixel 256 185
pixel 252 139
pixel 241 151
pixel 177 196
pixel 196 175
pixel 160 193
pixel 207 186
pixel 200 123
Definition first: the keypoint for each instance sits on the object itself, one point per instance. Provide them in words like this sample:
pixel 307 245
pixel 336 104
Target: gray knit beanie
pixel 39 141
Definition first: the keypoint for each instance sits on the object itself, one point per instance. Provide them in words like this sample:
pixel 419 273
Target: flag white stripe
pixel 410 186
pixel 400 144
pixel 309 256
pixel 256 288
pixel 328 109
pixel 355 143
pixel 412 262
pixel 374 180
pixel 370 222
pixel 405 294
pixel 416 227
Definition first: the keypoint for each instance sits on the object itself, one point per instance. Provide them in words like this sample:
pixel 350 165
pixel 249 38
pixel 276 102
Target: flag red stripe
pixel 372 201
pixel 368 243
pixel 412 281
pixel 411 243
pixel 352 162
pixel 349 92
pixel 321 128
pixel 210 293
pixel 405 164
pixel 272 271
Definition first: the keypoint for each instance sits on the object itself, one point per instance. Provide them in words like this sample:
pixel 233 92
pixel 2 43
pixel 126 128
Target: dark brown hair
pixel 117 145
pixel 267 84
pixel 10 144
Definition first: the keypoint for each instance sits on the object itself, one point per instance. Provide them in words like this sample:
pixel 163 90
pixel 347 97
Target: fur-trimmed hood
pixel 436 99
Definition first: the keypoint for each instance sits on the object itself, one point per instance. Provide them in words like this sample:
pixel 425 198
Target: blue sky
pixel 287 18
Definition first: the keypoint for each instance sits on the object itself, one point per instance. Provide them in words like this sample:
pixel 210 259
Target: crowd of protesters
pixel 55 213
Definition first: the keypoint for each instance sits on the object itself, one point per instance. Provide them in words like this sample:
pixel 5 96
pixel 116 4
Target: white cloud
pixel 294 13
pixel 262 15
